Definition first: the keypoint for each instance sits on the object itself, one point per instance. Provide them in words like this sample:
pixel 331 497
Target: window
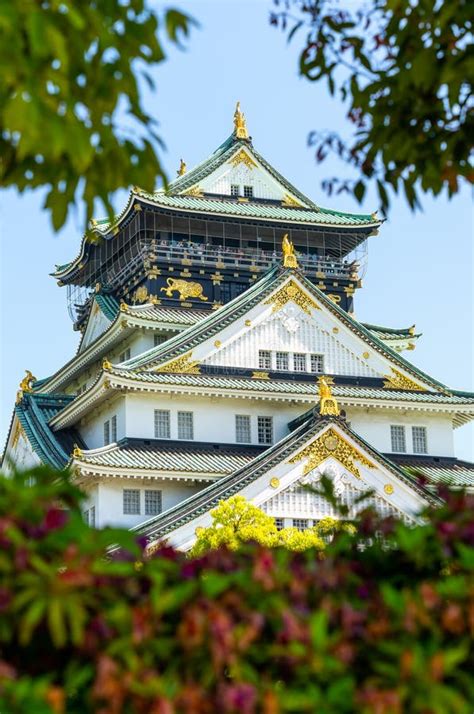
pixel 398 439
pixel 152 502
pixel 91 516
pixel 265 359
pixel 131 501
pixel 113 428
pixel 317 363
pixel 185 425
pixel 299 362
pixel 162 424
pixel 248 191
pixel 300 523
pixel 280 523
pixel 242 429
pixel 282 360
pixel 125 355
pixel 420 442
pixel 265 429
pixel 234 190
pixel 106 432
pixel 159 339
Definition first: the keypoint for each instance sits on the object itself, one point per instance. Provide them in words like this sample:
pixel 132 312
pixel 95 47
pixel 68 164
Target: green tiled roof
pixel 279 386
pixel 391 333
pixel 108 304
pixel 218 319
pixel 158 527
pixel 437 470
pixel 34 412
pixel 181 458
pixel 184 316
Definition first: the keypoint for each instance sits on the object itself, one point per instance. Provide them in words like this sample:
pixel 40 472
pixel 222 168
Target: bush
pixel 384 628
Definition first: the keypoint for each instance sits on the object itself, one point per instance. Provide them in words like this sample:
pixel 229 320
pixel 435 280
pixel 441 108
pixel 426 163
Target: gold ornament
pixel 388 488
pixel 194 191
pixel 274 482
pixel 292 291
pixel 334 298
pixel 141 294
pixel 76 452
pixel 182 365
pixel 242 157
pixel 366 355
pixel 123 306
pixel 289 257
pixel 184 288
pixel 331 444
pixel 290 201
pixel 328 405
pixel 182 168
pixel 248 323
pixel 260 375
pixel 240 123
pixel 106 365
pixel 27 382
pixel 397 380
pixel 217 343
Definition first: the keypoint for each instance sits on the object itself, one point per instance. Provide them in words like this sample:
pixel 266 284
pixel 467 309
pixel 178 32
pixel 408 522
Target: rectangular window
pixel 113 428
pixel 234 190
pixel 131 501
pixel 185 425
pixel 106 432
pixel 420 442
pixel 398 439
pixel 300 523
pixel 317 364
pixel 265 359
pixel 280 523
pixel 125 355
pixel 265 429
pixel 248 191
pixel 92 516
pixel 159 339
pixel 162 424
pixel 299 362
pixel 152 502
pixel 282 361
pixel 242 429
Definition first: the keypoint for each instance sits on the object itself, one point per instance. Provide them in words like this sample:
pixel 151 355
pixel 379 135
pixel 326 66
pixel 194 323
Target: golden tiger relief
pixel 184 288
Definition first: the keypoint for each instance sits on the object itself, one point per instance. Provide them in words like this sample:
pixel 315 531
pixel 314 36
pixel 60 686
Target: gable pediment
pixel 97 324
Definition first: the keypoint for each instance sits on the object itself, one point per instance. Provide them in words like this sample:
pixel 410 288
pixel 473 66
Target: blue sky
pixel 420 266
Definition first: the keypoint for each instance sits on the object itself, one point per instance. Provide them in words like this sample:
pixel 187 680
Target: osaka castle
pixel 219 355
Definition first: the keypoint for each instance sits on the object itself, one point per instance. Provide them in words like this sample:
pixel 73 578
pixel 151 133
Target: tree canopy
pixel 404 72
pixel 71 112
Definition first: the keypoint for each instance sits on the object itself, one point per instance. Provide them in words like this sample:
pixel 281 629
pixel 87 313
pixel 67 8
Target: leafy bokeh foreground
pixel 384 628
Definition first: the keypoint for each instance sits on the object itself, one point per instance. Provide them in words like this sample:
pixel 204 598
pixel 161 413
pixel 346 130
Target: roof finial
pixel 27 381
pixel 289 257
pixel 182 168
pixel 328 405
pixel 240 123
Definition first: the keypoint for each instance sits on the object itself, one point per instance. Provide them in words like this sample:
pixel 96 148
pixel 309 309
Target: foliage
pixel 237 521
pixel 381 629
pixel 71 114
pixel 404 70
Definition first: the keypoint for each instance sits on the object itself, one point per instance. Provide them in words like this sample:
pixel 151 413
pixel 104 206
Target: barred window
pixel 162 424
pixel 242 429
pixel 265 429
pixel 300 523
pixel 159 339
pixel 131 501
pixel 125 355
pixel 398 439
pixel 265 359
pixel 280 523
pixel 420 441
pixel 113 428
pixel 235 190
pixel 152 502
pixel 185 425
pixel 317 363
pixel 282 360
pixel 299 362
pixel 248 191
pixel 92 516
pixel 106 432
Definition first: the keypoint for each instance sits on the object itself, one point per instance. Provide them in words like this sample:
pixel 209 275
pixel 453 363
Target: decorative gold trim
pixel 27 382
pixel 292 291
pixel 123 306
pixel 182 168
pixel 331 444
pixel 290 201
pixel 388 488
pixel 411 346
pixel 217 278
pixel 182 365
pixel 328 405
pixel 77 452
pixel 106 384
pixel 411 330
pixel 240 123
pixel 185 289
pixel 217 343
pixel 242 157
pixel 141 294
pixel 335 330
pixel 260 375
pixel 248 323
pixel 17 434
pixel 194 191
pixel 366 355
pixel 106 365
pixel 336 299
pixel 137 207
pixel 274 482
pixel 289 256
pixel 397 380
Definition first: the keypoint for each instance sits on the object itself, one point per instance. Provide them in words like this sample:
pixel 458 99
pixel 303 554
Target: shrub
pixel 384 628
